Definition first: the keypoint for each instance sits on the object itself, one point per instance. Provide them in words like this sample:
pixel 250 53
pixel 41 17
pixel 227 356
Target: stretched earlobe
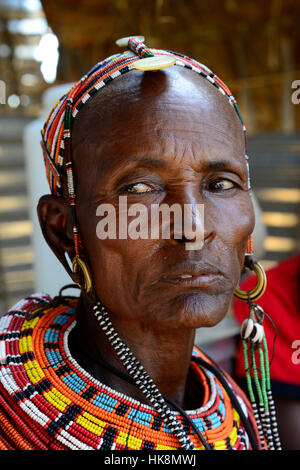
pixel 55 221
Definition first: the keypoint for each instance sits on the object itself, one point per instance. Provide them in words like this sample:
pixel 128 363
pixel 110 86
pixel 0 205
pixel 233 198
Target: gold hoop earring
pixel 79 264
pixel 261 283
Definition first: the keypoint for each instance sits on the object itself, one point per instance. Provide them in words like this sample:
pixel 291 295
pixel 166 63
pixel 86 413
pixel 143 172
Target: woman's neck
pixel 165 354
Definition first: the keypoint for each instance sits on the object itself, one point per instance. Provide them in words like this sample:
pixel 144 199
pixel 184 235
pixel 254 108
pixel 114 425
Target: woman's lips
pixel 193 280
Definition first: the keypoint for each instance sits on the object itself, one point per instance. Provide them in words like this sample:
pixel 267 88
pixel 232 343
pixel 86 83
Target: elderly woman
pixel 117 368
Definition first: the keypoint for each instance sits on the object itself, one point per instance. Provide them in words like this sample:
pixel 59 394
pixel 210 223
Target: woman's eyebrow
pixel 155 163
pixel 148 162
pixel 216 165
pixel 135 163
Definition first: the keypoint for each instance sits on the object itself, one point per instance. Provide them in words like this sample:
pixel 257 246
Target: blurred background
pixel 253 46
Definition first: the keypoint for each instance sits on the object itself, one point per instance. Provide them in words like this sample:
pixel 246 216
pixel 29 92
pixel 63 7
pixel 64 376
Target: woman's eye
pixel 221 185
pixel 138 188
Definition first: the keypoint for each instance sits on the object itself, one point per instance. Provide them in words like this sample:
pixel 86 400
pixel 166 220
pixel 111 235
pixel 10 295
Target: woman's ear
pixel 55 221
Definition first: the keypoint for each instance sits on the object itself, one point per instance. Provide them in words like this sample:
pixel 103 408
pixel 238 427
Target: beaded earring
pixel 255 350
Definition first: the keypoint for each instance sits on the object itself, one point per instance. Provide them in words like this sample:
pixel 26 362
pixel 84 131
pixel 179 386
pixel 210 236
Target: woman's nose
pixel 189 223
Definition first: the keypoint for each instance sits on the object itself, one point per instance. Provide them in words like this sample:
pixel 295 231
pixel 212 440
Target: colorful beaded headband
pixel 56 133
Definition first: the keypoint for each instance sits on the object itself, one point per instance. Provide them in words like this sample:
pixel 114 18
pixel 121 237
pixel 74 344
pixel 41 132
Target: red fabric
pixel 281 302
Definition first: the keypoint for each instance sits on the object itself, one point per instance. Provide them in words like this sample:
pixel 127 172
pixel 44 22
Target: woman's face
pixel 164 137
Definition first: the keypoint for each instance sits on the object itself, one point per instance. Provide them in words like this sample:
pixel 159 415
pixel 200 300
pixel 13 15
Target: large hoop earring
pixel 261 283
pixel 79 264
pixel 255 348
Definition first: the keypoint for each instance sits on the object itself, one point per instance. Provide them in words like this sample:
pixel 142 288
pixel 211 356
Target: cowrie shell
pixel 247 328
pixel 258 333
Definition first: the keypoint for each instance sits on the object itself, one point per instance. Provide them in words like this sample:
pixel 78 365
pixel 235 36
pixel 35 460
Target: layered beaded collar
pixel 58 405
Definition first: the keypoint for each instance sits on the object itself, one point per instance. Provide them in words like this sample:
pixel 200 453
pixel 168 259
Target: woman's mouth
pixel 194 280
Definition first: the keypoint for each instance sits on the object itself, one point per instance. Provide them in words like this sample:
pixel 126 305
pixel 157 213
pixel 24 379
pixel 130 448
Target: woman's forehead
pixel 146 112
pixel 144 106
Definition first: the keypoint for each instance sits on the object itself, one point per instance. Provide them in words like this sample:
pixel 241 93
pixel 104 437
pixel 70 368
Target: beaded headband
pixel 56 133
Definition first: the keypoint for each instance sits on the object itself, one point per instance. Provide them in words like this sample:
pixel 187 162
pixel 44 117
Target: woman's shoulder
pixel 33 306
pixel 27 303
pixel 26 315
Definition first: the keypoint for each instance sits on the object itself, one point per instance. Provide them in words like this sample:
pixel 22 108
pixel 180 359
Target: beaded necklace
pixel 48 401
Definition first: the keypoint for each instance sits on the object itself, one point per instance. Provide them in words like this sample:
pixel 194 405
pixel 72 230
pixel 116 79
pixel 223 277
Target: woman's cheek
pixel 239 213
pixel 234 222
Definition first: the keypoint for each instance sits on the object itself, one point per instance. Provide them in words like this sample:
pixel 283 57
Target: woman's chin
pixel 194 310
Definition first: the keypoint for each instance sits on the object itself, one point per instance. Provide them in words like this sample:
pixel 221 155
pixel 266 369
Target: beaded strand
pixel 266 416
pixel 139 48
pixel 271 403
pixel 251 394
pixel 141 377
pixel 264 413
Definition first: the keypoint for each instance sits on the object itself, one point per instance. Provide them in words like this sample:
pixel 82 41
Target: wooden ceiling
pixel 253 45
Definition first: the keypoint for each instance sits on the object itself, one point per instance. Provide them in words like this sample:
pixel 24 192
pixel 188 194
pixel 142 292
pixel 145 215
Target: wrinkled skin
pixel 176 134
